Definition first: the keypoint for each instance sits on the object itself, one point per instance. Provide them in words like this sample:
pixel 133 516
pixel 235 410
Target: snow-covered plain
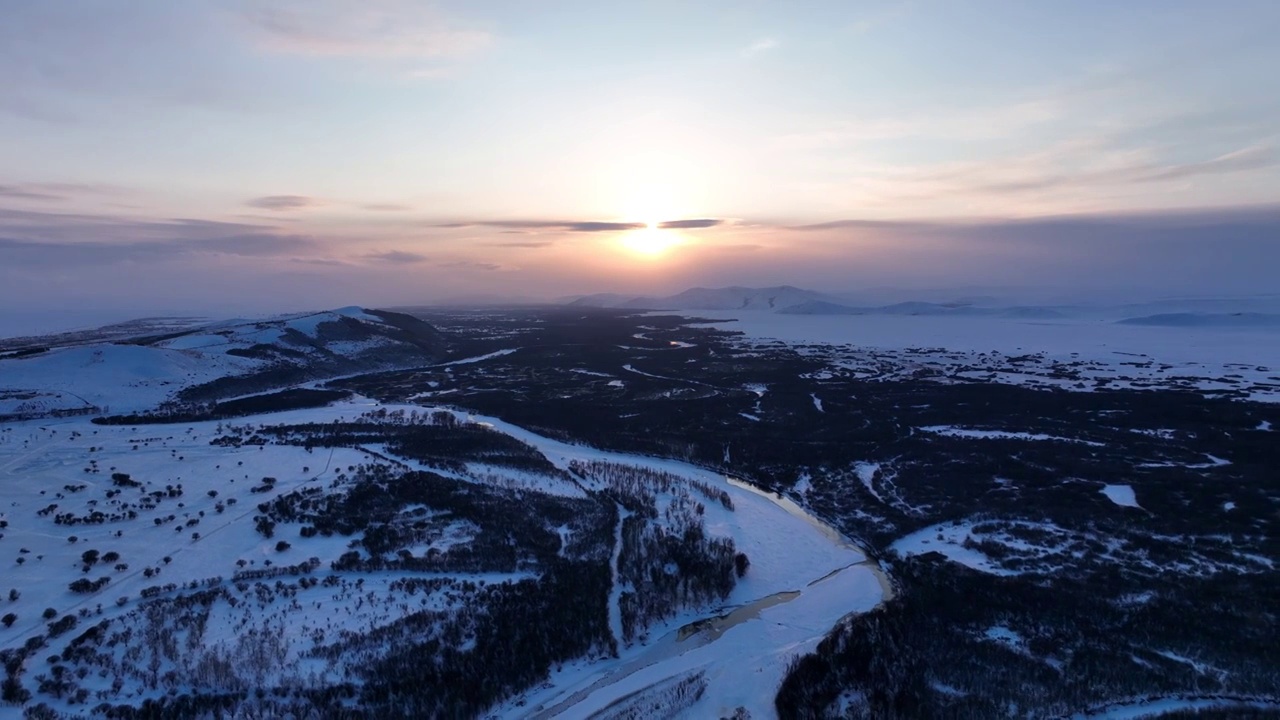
pixel 1122 355
pixel 949 540
pixel 1058 338
pixel 982 434
pixel 1024 547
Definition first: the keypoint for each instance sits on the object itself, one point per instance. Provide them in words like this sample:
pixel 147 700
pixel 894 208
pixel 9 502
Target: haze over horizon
pixel 228 157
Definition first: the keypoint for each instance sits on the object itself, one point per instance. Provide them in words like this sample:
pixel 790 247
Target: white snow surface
pixel 948 539
pixel 978 434
pixel 1215 358
pixel 1121 495
pixel 124 377
pixel 866 472
pixel 1058 338
pixel 1005 636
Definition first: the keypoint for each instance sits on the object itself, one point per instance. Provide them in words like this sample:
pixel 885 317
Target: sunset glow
pixel 650 242
pixel 224 154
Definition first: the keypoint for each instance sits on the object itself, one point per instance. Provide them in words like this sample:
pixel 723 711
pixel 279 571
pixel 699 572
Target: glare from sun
pixel 650 241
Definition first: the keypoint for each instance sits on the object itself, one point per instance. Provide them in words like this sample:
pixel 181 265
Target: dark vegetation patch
pixel 25 352
pixel 393 513
pixel 292 399
pixel 960 644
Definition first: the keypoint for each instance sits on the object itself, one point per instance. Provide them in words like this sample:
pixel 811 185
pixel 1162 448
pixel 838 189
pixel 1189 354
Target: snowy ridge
pixel 138 373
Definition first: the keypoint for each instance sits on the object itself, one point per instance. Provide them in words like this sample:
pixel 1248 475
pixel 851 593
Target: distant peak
pixel 350 310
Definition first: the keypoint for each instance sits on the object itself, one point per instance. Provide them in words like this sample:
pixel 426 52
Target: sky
pixel 236 156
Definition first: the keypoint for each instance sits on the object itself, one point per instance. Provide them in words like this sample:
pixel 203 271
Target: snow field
pixel 803 577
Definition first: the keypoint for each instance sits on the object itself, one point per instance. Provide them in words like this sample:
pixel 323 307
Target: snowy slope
pixel 137 373
pixel 116 377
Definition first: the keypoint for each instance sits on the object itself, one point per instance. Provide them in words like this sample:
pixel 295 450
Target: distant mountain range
pixel 796 301
pixel 1251 312
pixel 770 299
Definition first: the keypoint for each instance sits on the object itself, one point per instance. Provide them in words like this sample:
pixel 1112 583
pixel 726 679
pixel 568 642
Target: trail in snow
pixel 629 368
pixel 1153 707
pixel 615 591
pixel 476 359
pixel 671 344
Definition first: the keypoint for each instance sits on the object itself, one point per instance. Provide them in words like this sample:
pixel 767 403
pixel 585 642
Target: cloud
pixel 1098 230
pixel 72 254
pixel 583 226
pixel 469 265
pixel 77 227
pixel 18 192
pixel 385 207
pixel 604 226
pixel 1114 168
pixel 1251 158
pixel 859 225
pixel 261 245
pixel 690 224
pixel 282 202
pixel 561 225
pixel 55 191
pixel 1231 250
pixel 371 28
pixel 762 45
pixel 735 248
pixel 75 239
pixel 323 262
pixel 397 257
pixel 522 244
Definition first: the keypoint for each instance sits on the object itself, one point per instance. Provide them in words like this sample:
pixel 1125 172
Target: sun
pixel 651 241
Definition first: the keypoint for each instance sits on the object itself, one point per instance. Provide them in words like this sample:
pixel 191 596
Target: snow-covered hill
pixel 139 371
